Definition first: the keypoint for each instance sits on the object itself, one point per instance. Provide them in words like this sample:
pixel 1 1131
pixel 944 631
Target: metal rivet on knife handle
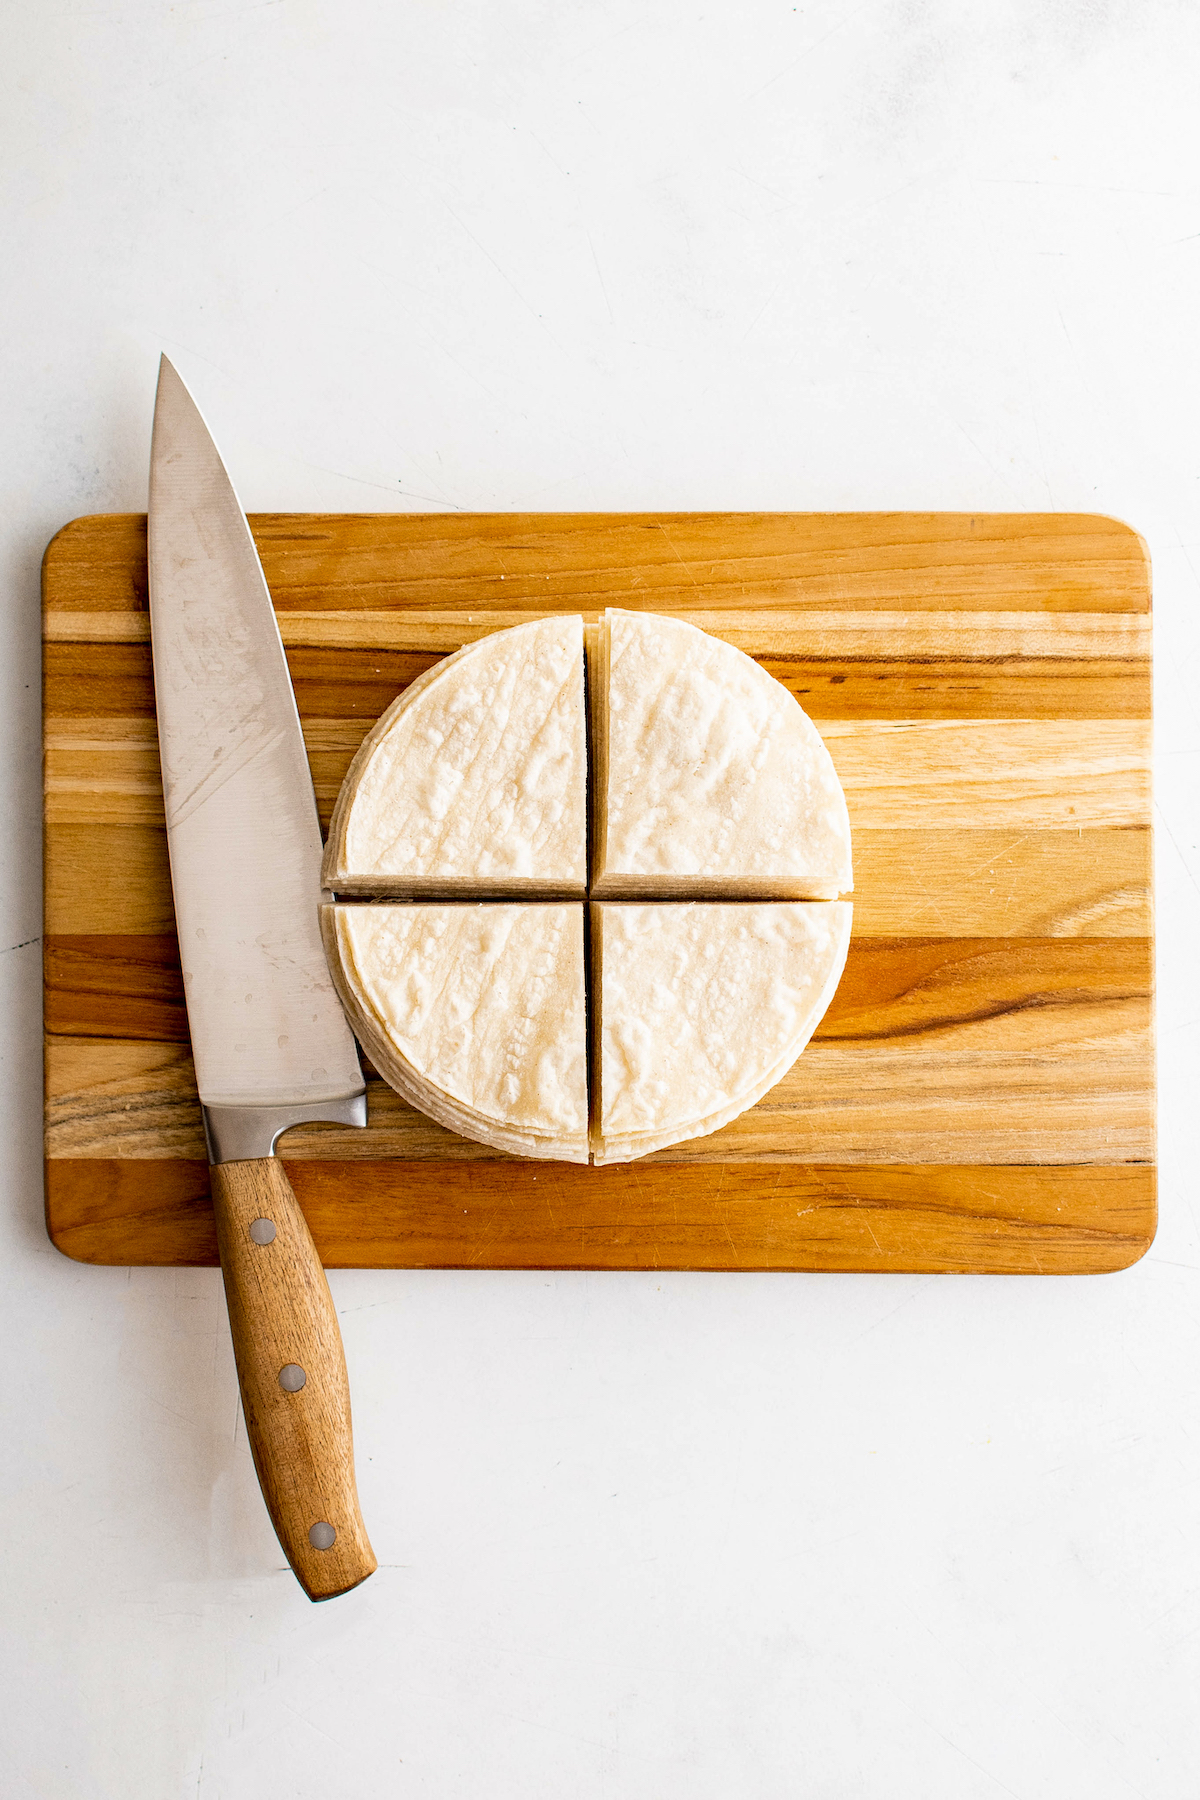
pixel 292 1378
pixel 322 1536
pixel 263 1231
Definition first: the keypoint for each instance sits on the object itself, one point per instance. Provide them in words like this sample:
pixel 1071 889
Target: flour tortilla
pixel 475 1014
pixel 701 1007
pixel 475 780
pixel 709 778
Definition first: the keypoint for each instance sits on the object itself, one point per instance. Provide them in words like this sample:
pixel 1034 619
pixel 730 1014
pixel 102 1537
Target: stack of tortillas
pixel 476 1014
pixel 720 842
pixel 710 777
pixel 475 780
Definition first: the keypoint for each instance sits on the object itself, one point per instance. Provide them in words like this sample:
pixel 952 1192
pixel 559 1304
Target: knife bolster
pixel 246 1133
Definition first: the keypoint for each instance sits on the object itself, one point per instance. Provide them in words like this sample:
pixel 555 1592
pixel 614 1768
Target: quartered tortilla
pixel 474 1013
pixel 700 1008
pixel 709 777
pixel 469 799
pixel 475 780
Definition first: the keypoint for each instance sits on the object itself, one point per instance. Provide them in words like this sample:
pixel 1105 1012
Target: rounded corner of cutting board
pixel 1122 528
pixel 1141 1241
pixel 64 1233
pixel 66 540
pixel 121 1213
pixel 90 542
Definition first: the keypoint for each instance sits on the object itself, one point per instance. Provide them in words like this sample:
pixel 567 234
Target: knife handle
pixel 292 1373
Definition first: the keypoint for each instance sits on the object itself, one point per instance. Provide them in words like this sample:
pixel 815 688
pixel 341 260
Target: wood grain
pixel 1039 774
pixel 966 883
pixel 980 1094
pixel 888 986
pixel 667 562
pixel 281 1317
pixel 957 1044
pixel 420 1215
pixel 104 984
pixel 1006 670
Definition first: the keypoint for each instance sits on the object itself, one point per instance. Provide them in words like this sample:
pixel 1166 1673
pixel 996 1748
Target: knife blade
pixel 269 1038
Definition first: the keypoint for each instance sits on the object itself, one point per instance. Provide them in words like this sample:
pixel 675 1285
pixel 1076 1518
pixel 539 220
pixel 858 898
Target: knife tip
pixel 171 389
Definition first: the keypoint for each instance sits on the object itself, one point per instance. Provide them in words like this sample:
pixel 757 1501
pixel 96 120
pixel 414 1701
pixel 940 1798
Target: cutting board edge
pixel 261 522
pixel 185 1235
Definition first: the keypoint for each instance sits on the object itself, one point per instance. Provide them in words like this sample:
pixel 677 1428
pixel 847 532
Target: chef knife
pixel 271 1044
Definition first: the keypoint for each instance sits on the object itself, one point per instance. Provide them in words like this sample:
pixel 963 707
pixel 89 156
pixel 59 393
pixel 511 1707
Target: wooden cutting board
pixel 980 1095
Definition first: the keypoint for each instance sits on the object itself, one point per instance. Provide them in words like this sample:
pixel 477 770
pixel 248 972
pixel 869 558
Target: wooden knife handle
pixel 292 1373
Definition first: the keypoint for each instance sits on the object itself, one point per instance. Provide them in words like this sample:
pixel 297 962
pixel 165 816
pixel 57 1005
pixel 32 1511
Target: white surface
pixel 688 1536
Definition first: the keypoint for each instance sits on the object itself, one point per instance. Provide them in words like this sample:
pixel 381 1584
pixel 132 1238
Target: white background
pixel 639 1537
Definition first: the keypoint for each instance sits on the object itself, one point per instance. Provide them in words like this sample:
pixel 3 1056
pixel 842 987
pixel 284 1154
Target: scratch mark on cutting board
pixel 678 557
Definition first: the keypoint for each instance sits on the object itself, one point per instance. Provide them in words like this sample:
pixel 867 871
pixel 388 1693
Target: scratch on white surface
pixel 982 455
pixel 503 274
pixel 762 309
pixel 1039 1699
pixel 429 476
pixel 957 1748
pixel 809 50
pixel 384 487
pixel 1186 553
pixel 313 1726
pixel 188 69
pixel 789 204
pixel 1037 432
pixel 1158 813
pixel 188 1418
pixel 301 205
pixel 891 1313
pixel 1086 186
pixel 602 43
pixel 600 279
